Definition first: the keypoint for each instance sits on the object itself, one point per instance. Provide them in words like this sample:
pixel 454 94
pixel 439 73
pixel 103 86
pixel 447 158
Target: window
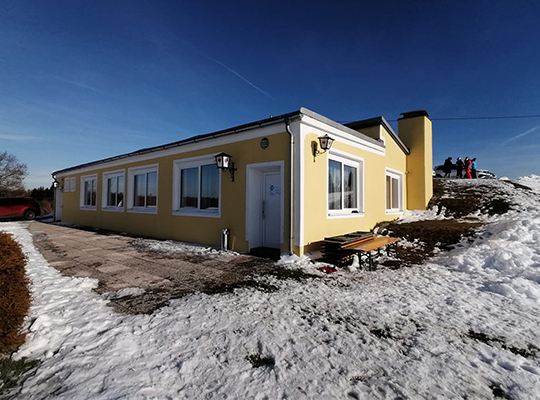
pixel 394 192
pixel 344 178
pixel 113 191
pixel 143 189
pixel 69 184
pixel 88 192
pixel 196 187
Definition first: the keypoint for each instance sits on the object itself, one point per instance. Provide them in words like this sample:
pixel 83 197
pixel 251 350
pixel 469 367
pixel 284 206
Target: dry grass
pixel 14 295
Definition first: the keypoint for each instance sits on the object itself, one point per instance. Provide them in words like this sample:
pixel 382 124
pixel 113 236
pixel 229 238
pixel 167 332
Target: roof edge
pixel 194 139
pixel 365 123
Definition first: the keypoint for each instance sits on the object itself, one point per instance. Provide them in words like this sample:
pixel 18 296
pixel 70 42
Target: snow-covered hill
pixel 463 325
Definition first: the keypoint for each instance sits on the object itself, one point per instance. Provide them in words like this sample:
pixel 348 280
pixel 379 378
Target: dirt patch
pixel 456 202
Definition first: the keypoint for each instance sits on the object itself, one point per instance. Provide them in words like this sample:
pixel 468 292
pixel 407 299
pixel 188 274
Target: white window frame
pixel 131 186
pixel 194 162
pixel 399 177
pixel 84 179
pixel 105 187
pixel 351 161
pixel 69 184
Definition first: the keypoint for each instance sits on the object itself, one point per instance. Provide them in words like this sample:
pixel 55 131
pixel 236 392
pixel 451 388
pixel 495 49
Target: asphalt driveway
pixel 122 263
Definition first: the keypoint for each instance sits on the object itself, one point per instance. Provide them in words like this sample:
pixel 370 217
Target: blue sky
pixel 85 80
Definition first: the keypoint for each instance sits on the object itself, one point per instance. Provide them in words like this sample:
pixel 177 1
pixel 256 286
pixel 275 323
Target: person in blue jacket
pixel 473 168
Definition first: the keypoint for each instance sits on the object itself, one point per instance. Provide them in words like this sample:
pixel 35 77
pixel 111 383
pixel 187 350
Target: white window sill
pixel 113 209
pixel 344 214
pixel 88 208
pixel 143 210
pixel 394 212
pixel 197 213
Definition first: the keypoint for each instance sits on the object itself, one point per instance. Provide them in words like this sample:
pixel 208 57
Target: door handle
pixel 263 216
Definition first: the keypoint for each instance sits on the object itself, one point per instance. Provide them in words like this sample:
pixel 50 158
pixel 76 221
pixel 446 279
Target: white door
pixel 271 209
pixel 57 204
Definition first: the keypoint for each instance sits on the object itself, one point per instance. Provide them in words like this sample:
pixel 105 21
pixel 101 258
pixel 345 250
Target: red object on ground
pixel 328 269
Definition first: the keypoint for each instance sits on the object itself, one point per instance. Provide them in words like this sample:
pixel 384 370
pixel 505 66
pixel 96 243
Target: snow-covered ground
pixel 464 325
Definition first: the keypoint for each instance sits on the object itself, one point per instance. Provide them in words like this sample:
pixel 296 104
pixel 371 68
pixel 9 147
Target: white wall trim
pixel 395 174
pixel 354 161
pixel 130 184
pixel 104 179
pixel 253 181
pixel 85 178
pixel 344 137
pixel 193 162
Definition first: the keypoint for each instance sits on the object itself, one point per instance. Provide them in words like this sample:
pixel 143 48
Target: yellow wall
pixel 317 223
pixel 416 133
pixel 195 229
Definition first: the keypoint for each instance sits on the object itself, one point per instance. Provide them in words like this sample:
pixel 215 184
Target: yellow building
pixel 176 191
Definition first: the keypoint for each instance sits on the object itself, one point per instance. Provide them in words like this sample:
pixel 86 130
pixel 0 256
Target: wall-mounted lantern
pixel 325 143
pixel 55 183
pixel 224 163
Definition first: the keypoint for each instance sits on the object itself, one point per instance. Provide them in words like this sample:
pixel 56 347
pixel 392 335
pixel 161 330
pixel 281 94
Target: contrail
pixel 228 69
pixel 82 85
pixel 17 137
pixel 240 76
pixel 521 135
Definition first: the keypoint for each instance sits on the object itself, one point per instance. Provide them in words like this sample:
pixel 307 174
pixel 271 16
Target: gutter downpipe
pixel 291 189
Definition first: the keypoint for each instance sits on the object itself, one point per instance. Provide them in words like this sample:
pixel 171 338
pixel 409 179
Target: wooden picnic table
pixel 374 244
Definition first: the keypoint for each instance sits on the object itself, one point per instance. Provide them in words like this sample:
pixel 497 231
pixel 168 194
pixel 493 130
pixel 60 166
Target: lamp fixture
pixel 325 143
pixel 224 163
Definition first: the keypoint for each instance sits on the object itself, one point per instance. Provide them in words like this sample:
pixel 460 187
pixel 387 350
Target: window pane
pixel 87 194
pixel 388 192
pixel 151 192
pixel 112 187
pixel 120 192
pixel 140 191
pixel 94 186
pixel 209 187
pixel 350 187
pixel 395 193
pixel 334 185
pixel 189 189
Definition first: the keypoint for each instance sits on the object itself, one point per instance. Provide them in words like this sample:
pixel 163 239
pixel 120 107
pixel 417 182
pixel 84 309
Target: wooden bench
pixel 340 250
pixel 334 248
pixel 365 248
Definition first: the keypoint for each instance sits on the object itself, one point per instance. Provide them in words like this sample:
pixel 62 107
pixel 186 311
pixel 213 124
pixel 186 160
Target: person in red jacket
pixel 467 168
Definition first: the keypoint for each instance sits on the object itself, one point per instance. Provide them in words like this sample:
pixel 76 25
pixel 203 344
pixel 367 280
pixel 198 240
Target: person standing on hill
pixel 459 167
pixel 467 168
pixel 473 168
pixel 447 167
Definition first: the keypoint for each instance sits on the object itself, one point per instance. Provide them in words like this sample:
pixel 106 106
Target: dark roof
pixel 413 114
pixel 367 123
pixel 289 117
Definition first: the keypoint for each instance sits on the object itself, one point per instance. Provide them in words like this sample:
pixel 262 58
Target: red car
pixel 12 207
